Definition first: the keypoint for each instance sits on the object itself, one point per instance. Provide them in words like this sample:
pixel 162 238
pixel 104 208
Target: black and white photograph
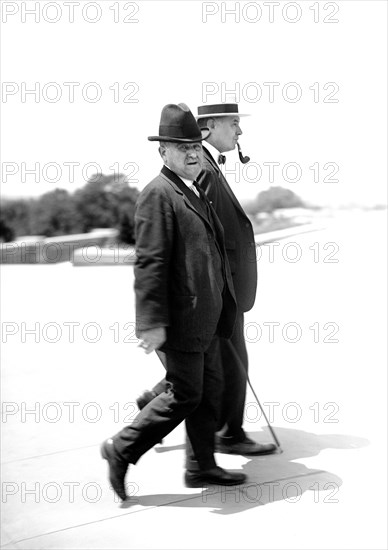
pixel 193 278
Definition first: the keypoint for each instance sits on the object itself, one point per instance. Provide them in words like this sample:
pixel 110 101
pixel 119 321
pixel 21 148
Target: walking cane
pixel 237 358
pixel 265 416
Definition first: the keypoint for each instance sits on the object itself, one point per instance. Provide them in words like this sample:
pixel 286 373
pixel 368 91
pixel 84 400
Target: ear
pixel 211 123
pixel 162 151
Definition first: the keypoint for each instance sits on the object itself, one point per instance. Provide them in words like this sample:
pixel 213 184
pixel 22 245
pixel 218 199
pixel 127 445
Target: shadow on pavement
pixel 270 478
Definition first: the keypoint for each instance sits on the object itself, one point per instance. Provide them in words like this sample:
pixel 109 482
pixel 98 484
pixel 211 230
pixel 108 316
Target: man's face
pixel 185 159
pixel 224 135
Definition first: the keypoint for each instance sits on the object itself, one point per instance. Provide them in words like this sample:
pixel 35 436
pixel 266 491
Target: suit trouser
pixel 233 358
pixel 194 383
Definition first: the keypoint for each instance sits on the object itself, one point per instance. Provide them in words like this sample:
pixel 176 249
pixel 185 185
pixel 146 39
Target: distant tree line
pixel 105 201
pixel 272 199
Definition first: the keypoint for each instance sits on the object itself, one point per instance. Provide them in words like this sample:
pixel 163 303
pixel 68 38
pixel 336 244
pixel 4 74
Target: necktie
pixel 194 189
pixel 198 191
pixel 221 159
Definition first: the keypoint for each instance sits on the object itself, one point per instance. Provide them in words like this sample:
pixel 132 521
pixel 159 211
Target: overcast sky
pixel 311 74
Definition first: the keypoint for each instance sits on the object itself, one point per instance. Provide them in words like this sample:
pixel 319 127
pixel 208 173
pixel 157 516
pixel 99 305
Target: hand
pixel 152 339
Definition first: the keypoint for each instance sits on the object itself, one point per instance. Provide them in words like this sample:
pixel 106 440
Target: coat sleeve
pixel 154 228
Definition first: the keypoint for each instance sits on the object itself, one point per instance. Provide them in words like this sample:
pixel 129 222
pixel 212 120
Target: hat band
pixel 221 108
pixel 172 130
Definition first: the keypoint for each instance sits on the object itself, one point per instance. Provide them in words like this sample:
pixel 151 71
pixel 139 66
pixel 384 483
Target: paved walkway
pixel 316 345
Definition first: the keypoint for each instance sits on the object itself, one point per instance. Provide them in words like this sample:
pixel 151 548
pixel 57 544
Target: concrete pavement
pixel 316 345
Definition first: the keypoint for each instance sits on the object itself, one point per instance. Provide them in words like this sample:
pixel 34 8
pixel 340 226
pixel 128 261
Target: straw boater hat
pixel 177 124
pixel 220 109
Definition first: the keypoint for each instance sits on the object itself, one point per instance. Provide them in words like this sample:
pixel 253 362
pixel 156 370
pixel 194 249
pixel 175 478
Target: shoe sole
pixel 230 452
pixel 198 483
pixel 104 455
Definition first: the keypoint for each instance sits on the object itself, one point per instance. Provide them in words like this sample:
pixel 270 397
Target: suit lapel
pixel 181 188
pixel 211 160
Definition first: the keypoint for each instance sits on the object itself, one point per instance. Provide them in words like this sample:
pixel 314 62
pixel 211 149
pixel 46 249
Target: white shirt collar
pixel 212 150
pixel 187 182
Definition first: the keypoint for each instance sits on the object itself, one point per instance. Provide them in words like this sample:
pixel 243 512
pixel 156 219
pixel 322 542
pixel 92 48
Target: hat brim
pixel 204 131
pixel 217 115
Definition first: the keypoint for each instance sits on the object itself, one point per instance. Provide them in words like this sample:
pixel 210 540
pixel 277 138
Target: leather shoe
pixel 213 476
pixel 245 447
pixel 117 468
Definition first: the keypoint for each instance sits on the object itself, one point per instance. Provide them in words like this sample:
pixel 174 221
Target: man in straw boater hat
pixel 184 300
pixel 223 121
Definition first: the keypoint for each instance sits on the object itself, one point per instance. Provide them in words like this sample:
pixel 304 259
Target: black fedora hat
pixel 177 123
pixel 218 110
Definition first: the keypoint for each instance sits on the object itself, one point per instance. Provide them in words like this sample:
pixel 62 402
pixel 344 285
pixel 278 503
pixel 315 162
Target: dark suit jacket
pixel 238 231
pixel 175 281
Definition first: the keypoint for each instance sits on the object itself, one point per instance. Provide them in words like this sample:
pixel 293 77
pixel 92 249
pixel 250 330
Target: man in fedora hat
pixel 184 300
pixel 223 121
